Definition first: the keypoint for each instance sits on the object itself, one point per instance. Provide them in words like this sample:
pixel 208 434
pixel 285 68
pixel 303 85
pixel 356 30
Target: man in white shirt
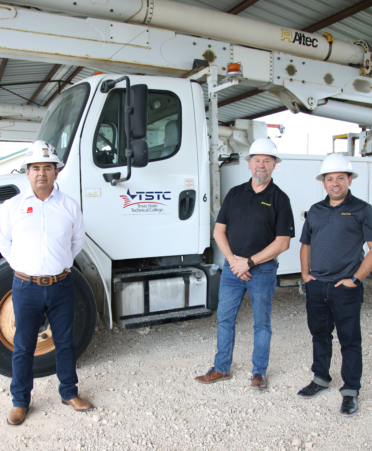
pixel 41 232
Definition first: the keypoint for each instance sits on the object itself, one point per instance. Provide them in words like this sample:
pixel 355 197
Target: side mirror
pixel 135 120
pixel 140 150
pixel 138 100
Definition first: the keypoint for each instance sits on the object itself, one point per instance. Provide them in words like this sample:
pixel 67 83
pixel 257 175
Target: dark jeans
pixel 328 307
pixel 30 302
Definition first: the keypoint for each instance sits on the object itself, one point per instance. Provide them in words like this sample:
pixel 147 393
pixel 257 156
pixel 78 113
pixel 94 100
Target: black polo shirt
pixel 253 219
pixel 336 236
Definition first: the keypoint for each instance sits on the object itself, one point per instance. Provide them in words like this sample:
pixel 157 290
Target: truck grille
pixel 7 192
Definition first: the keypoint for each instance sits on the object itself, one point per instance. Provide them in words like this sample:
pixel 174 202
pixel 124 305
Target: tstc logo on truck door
pixel 146 202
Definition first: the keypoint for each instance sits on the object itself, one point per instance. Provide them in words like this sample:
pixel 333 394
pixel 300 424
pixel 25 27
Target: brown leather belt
pixel 42 280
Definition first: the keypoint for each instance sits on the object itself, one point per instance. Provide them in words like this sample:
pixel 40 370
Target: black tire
pixel 84 323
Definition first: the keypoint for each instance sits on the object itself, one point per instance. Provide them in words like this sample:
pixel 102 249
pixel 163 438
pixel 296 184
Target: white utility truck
pixel 150 174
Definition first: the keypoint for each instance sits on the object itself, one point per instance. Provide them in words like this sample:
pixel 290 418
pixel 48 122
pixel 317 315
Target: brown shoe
pixel 259 382
pixel 212 376
pixel 16 416
pixel 78 404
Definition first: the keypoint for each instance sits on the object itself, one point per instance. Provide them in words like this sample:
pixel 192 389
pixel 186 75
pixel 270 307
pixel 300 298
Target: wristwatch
pixel 356 281
pixel 250 262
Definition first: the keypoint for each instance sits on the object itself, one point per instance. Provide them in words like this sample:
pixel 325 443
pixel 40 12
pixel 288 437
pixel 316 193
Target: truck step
pixel 164 318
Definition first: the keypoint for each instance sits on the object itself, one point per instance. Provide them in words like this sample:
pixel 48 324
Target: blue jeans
pixel 261 288
pixel 30 302
pixel 326 307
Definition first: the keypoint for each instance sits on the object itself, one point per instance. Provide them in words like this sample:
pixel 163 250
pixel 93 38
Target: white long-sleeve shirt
pixel 41 238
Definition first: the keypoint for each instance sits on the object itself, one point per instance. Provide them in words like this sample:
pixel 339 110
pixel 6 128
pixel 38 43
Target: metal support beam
pixel 344 14
pixel 212 81
pixel 242 6
pixel 265 113
pixel 211 74
pixel 4 62
pixel 65 83
pixel 15 94
pixel 42 86
pixel 18 130
pixel 258 115
pixel 25 112
pixel 24 83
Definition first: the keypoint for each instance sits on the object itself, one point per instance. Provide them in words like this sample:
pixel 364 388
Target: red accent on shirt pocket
pixel 29 210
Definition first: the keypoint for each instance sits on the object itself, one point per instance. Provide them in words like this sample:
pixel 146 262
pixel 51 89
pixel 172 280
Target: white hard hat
pixel 336 162
pixel 41 152
pixel 263 146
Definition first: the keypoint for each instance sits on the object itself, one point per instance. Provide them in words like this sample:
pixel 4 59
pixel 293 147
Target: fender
pixel 96 267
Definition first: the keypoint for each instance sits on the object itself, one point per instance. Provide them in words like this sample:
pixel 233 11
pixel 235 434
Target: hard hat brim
pixel 248 157
pixel 59 165
pixel 320 177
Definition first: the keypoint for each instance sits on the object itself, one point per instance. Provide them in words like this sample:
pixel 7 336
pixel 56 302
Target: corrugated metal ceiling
pixel 289 13
pixel 244 108
pixel 28 73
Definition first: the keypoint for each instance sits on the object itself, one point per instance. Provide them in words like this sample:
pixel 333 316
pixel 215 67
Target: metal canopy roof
pixel 25 82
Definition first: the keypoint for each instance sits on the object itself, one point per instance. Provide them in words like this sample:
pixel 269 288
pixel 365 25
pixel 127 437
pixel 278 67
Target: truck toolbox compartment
pixel 159 291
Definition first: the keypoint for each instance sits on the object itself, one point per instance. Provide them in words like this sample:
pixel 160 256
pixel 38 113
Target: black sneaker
pixel 312 390
pixel 349 406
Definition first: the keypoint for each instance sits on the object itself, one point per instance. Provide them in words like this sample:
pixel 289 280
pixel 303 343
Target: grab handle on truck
pixel 186 204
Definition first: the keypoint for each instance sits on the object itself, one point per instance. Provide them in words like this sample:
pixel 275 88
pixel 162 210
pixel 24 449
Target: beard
pixel 261 180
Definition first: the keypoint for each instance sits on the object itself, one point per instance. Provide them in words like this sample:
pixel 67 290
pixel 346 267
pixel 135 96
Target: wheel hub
pixel 44 343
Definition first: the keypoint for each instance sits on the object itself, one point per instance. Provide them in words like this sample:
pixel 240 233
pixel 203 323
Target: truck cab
pixel 146 236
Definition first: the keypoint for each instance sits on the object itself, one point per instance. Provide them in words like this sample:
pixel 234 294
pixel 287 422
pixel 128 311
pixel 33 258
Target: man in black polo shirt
pixel 253 227
pixel 333 266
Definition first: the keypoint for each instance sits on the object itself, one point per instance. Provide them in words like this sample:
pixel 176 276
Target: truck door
pixel 155 213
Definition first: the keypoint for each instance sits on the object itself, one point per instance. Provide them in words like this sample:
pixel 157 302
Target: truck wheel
pixel 44 361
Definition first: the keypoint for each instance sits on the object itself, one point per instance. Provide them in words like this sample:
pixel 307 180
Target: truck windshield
pixel 62 119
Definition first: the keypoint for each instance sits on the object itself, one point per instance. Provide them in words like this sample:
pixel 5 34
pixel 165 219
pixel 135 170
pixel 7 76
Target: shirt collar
pixel 346 201
pixel 268 190
pixel 30 193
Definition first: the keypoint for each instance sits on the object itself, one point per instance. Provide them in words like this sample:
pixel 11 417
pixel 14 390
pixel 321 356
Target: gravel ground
pixel 146 399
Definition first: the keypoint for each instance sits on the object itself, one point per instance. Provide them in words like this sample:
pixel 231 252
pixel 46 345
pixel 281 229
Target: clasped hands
pixel 239 267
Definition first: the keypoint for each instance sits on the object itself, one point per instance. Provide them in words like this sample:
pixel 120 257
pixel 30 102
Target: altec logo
pixel 287 35
pixel 145 197
pixel 29 210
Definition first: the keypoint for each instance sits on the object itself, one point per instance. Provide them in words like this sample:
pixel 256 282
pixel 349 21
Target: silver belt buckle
pixel 44 280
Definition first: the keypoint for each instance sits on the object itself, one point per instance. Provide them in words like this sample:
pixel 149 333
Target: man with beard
pixel 255 225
